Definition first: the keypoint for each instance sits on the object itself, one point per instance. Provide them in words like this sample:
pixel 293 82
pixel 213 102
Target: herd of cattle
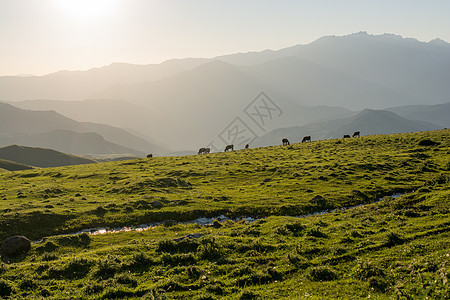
pixel 285 142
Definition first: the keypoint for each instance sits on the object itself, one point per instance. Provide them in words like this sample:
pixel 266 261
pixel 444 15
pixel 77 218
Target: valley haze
pixel 185 104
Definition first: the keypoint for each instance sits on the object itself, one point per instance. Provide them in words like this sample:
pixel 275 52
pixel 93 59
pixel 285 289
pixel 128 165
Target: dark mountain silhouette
pixel 368 122
pixel 12 166
pixel 438 114
pixel 40 157
pixel 70 142
pixel 18 126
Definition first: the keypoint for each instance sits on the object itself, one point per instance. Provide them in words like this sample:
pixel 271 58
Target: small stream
pixel 203 221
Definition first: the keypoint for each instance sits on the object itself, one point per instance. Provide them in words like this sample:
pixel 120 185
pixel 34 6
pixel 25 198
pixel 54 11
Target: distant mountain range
pixel 188 103
pixel 388 63
pixel 74 85
pixel 437 114
pixel 117 113
pixel 38 157
pixel 368 122
pixel 50 129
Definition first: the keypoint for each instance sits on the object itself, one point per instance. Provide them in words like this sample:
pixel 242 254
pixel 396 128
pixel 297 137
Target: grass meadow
pixel 398 247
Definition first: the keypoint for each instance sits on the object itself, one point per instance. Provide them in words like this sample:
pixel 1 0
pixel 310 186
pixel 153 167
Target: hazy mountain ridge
pixel 75 85
pixel 368 122
pixel 43 128
pixel 385 60
pixel 310 83
pixel 436 114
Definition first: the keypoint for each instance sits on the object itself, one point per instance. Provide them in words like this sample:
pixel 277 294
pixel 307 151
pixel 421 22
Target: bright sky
pixel 43 36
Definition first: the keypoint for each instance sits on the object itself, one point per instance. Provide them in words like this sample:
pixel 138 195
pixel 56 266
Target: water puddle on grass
pixel 204 221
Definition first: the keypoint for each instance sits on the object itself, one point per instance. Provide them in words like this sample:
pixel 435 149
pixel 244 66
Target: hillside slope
pixel 13 166
pixel 39 157
pixel 275 179
pixel 353 218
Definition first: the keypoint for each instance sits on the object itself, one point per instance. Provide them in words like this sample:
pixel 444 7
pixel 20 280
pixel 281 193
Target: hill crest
pixel 40 157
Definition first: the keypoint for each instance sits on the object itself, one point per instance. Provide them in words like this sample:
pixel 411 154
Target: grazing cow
pixel 204 150
pixel 150 156
pixel 229 148
pixel 356 134
pixel 306 139
pixel 285 142
pixel 346 136
pixel 246 146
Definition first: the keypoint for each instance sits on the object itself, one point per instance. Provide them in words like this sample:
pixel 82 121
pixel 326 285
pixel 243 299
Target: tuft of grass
pixel 322 273
pixel 5 288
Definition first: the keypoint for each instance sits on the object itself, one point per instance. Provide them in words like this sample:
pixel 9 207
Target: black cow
pixel 229 148
pixel 346 136
pixel 150 156
pixel 285 142
pixel 356 134
pixel 306 139
pixel 204 150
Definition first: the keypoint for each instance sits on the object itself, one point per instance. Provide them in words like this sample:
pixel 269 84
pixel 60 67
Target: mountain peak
pixel 439 42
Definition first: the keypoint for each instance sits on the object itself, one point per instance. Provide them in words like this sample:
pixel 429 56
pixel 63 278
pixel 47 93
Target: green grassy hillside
pixel 397 247
pixel 41 157
pixel 12 166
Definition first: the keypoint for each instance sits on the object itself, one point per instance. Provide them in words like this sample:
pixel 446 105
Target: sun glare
pixel 86 10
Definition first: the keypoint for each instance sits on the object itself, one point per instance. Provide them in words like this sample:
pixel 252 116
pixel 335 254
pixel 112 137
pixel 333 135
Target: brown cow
pixel 246 146
pixel 306 139
pixel 150 156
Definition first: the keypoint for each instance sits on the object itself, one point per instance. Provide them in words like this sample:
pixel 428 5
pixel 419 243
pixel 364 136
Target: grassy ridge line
pixel 8 165
pixel 41 157
pixel 257 182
